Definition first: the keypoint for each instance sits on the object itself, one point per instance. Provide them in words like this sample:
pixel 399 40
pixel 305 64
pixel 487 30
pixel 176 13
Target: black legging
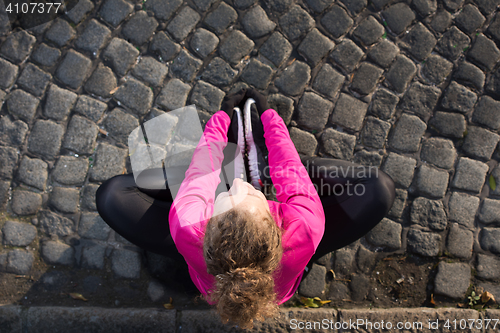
pixel 354 197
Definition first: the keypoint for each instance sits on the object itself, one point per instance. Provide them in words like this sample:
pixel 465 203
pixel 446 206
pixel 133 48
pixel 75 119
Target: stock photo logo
pixel 27 14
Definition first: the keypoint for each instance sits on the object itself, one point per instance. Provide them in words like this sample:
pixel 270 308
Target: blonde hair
pixel 242 254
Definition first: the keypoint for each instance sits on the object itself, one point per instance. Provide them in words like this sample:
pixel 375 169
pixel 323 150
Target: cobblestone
pixel 383 53
pixel 470 75
pixel 57 253
pixel 224 15
pixel 8 161
pixel 398 17
pixel 9 73
pixel 65 199
pixel 93 38
pixel 431 182
pixel 319 5
pixel 151 71
pixel 375 132
pixel 452 279
pixel 452 43
pixel 19 262
pixel 34 80
pixel 81 135
pixel 425 7
pixel 328 81
pixel 257 74
pixel 18 233
pixel 368 158
pixel 101 82
pixel 400 168
pixel 110 161
pixel 166 49
pixel 436 69
pixel 441 21
pixel 365 259
pixel 407 133
pixel 439 152
pixel 347 54
pixel 256 23
pixel 126 264
pixel 458 98
pixel 490 211
pixel 360 286
pixel 315 46
pixel 463 208
pixel 383 104
pixel 487 267
pixel 421 99
pixel 401 73
pixel 469 175
pixel 93 256
pixel 33 172
pixel 279 5
pixel 419 41
pixel 487 6
pixel 80 10
pixel 22 105
pixel 182 24
pixel 243 4
pixel 494 27
pixel 426 244
pixel 121 55
pixel 313 111
pixel 115 11
pixel 4 193
pixel 469 19
pixel 484 52
pixel 337 144
pixel 429 213
pixel 88 196
pixel 369 31
pixel 453 5
pixel 70 170
pixel 203 5
pixel 349 112
pixel 119 124
pixel 54 224
pixel 304 142
pixel 235 47
pixel 93 226
pixel 314 283
pixel 219 73
pixel 480 143
pixel 59 103
pixel 207 96
pixel 399 203
pixel 276 48
pixel 283 105
pixel 173 95
pixel 490 240
pixel 25 202
pixel 337 21
pixel 17 46
pixel 139 28
pixel 60 32
pixel 73 69
pixel 448 124
pixel 296 22
pixel 294 78
pixel 386 234
pixel 45 138
pixel 487 112
pixel 135 95
pixel 365 78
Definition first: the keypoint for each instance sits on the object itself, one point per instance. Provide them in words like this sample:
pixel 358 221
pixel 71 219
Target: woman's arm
pixel 291 180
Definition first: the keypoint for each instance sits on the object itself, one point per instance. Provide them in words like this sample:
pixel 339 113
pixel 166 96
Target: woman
pixel 246 254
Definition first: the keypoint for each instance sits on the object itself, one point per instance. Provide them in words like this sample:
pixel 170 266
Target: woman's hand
pixel 230 101
pixel 260 100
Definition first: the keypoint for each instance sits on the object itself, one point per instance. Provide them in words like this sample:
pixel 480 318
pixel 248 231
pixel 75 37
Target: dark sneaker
pixel 235 148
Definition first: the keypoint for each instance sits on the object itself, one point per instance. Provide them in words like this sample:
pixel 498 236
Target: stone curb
pixel 16 319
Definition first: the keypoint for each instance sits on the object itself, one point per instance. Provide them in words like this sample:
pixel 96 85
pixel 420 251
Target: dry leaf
pixel 290 62
pixel 113 91
pixel 487 296
pixel 432 300
pixel 103 131
pixel 77 296
pixel 333 273
pixel 169 306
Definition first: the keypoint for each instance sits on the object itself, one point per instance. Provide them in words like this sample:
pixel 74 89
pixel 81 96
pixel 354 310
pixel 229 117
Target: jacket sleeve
pixel 193 205
pixel 294 188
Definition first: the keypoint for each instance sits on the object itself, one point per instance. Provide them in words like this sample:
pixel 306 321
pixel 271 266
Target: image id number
pixel 25 7
pixel 471 323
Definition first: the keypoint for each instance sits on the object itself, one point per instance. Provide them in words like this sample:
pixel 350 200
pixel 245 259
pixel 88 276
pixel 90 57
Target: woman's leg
pixel 355 199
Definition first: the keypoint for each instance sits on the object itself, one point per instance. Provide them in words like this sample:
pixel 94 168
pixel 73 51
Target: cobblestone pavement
pixel 410 87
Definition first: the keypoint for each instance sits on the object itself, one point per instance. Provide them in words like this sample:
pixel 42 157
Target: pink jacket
pixel 299 212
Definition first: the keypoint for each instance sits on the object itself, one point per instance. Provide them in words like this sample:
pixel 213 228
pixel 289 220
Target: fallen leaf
pixel 487 296
pixel 332 272
pixel 77 296
pixel 493 183
pixel 432 300
pixel 104 132
pixel 169 306
pixel 114 90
